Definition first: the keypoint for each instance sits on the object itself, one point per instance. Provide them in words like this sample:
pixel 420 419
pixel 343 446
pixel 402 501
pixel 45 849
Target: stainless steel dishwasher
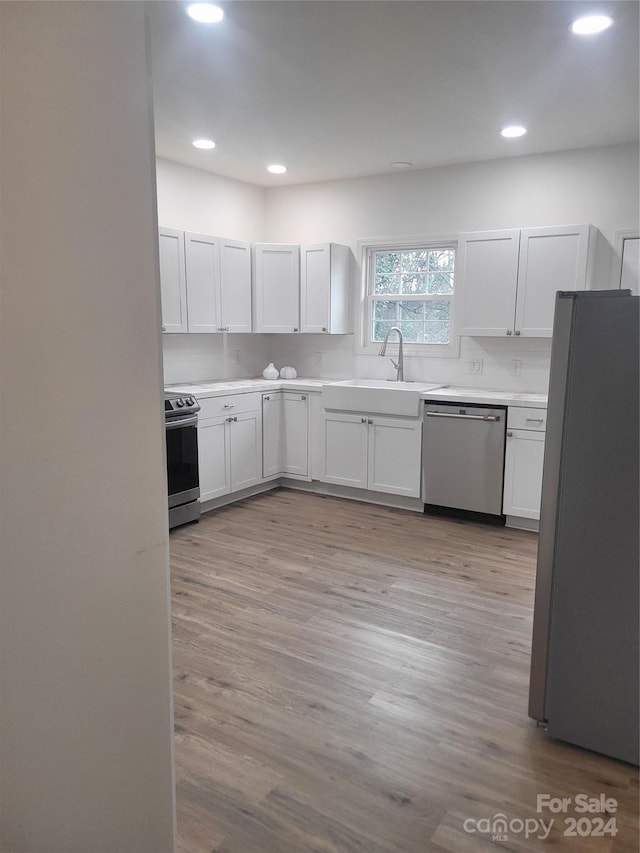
pixel 463 457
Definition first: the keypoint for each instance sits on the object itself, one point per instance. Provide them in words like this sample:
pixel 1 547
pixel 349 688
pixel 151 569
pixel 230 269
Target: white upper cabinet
pixel 235 285
pixel 172 280
pixel 206 283
pixel 487 269
pixel 325 274
pixel 277 287
pixel 509 279
pixel 202 256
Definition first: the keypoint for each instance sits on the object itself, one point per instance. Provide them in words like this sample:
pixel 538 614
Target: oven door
pixel 182 460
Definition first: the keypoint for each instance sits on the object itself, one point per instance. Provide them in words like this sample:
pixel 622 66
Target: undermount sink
pixel 378 396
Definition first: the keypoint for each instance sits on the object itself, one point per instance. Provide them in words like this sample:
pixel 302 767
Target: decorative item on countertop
pixel 271 371
pixel 288 373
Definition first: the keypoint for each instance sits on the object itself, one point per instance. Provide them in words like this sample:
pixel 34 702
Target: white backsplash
pixel 195 358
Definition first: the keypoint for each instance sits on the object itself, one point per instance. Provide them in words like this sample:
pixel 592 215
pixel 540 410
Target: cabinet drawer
pixel 521 418
pixel 232 404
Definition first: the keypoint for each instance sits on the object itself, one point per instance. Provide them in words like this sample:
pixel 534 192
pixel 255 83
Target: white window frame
pixel 365 249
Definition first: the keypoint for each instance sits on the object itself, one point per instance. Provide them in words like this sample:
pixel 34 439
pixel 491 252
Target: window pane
pixel 387 262
pixel 413 333
pixel 413 310
pixel 386 284
pixel 437 310
pixel 385 310
pixel 436 332
pixel 414 283
pixel 442 260
pixel 381 327
pixel 414 261
pixel 440 282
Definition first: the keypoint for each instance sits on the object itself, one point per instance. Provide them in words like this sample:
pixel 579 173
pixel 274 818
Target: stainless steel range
pixel 181 420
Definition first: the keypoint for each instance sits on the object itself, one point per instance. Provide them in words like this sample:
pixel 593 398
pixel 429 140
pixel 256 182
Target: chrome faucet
pixel 399 364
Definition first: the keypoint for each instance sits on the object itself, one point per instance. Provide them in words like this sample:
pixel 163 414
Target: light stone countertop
pixel 452 394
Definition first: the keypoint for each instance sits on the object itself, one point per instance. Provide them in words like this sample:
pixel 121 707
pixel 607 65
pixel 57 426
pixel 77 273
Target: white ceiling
pixel 341 89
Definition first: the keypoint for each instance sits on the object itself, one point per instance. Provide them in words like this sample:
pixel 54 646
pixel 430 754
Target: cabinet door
pixel 551 259
pixel 395 448
pixel 523 473
pixel 295 434
pixel 345 450
pixel 277 287
pixel 316 436
pixel 246 450
pixel 172 280
pixel 213 458
pixel 487 270
pixel 272 434
pixel 315 288
pixel 235 286
pixel 202 255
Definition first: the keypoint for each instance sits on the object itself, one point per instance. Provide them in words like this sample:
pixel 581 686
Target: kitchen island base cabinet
pixel 376 453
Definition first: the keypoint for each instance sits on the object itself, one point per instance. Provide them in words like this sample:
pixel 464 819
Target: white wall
pixel 85 676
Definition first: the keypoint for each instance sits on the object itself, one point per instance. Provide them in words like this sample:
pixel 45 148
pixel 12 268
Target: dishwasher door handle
pixel 492 418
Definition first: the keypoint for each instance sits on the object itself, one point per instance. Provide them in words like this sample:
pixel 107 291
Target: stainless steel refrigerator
pixel 584 659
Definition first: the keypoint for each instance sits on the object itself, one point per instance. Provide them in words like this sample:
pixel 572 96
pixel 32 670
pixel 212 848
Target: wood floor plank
pixel 351 677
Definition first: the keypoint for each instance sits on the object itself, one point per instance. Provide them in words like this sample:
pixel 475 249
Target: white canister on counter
pixel 288 373
pixel 270 371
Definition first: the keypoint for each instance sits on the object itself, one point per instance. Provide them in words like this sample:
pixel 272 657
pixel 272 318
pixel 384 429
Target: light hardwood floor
pixel 354 678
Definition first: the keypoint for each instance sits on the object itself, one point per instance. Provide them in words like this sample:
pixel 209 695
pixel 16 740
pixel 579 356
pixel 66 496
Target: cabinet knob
pixel 266 397
pixel 303 397
pixel 363 420
pixel 509 332
pixel 324 328
pixel 369 420
pixel 295 330
pixel 517 331
pixel 509 434
pixel 163 328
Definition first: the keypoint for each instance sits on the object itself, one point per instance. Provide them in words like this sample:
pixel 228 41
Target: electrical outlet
pixel 516 366
pixel 475 366
pixel 318 359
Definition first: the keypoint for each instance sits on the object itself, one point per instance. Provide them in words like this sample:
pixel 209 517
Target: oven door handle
pixel 176 423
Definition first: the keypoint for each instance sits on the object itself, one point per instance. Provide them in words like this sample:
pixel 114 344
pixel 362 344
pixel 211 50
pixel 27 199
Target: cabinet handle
pixel 163 328
pixel 324 328
pixel 369 420
pixel 517 331
pixel 230 405
pixel 363 420
pixel 303 397
pixel 266 397
pixel 236 418
pixel 534 420
pixel 295 330
pixel 509 332
pixel 509 434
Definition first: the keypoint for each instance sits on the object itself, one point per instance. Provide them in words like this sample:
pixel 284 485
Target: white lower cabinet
pixel 523 463
pixel 378 453
pixel 285 434
pixel 229 444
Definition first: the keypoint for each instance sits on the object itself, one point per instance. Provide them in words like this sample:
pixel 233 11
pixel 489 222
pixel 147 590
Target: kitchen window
pixel 411 286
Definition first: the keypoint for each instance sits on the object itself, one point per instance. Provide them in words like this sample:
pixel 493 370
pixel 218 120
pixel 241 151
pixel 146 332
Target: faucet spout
pixel 399 364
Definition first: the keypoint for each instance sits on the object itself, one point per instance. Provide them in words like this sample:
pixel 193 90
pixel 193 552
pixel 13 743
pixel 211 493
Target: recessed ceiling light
pixel 591 24
pixel 205 13
pixel 513 131
pixel 401 164
pixel 275 169
pixel 206 144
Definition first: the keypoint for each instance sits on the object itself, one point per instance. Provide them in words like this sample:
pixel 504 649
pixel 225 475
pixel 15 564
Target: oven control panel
pixel 176 405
